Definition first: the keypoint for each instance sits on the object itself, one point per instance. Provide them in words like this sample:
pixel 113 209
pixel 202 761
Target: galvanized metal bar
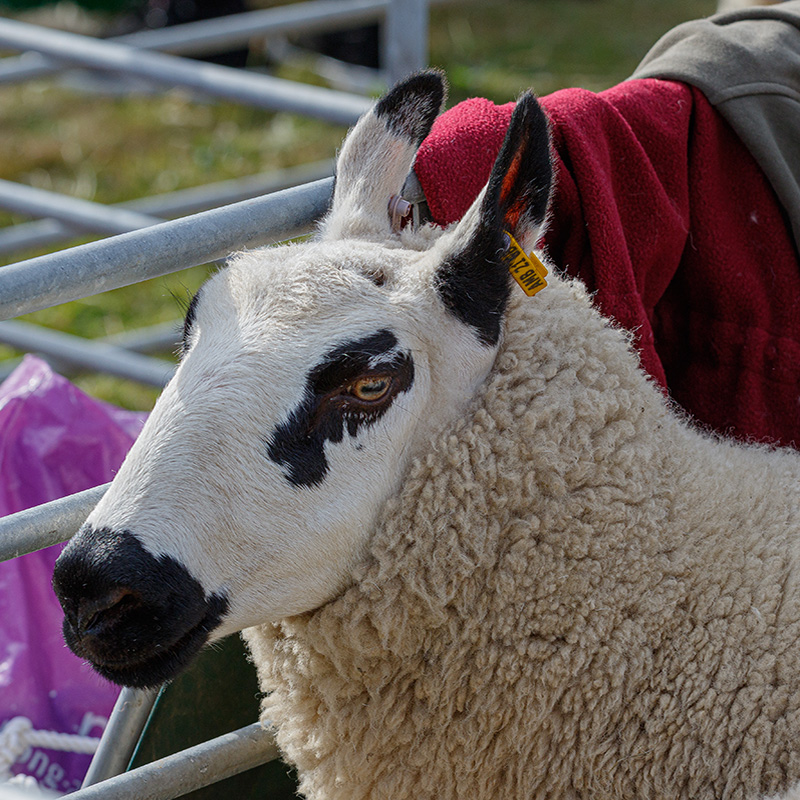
pixel 200 198
pixel 169 247
pixel 47 524
pixel 405 38
pixel 171 204
pixel 150 339
pixel 307 17
pixel 121 735
pixel 206 36
pixel 81 214
pixel 190 769
pixel 262 91
pixel 90 354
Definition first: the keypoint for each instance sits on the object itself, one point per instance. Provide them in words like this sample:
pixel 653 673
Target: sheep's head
pixel 311 375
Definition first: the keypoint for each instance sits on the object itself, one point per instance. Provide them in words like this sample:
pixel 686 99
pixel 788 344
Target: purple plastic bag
pixel 54 441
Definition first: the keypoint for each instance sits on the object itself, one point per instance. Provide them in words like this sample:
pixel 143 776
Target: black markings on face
pixel 473 283
pixel 330 405
pixel 188 321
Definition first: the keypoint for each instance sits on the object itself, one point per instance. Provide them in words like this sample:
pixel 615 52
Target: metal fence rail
pixel 47 524
pixel 159 338
pixel 160 249
pixel 45 232
pixel 190 769
pixel 205 36
pixel 261 91
pixel 88 353
pixel 82 215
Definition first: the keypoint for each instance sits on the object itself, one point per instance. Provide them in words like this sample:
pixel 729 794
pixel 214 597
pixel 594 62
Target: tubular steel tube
pixel 262 91
pixel 157 338
pixel 190 769
pixel 94 355
pixel 308 17
pixel 151 339
pixel 172 204
pixel 158 250
pixel 405 38
pixel 122 733
pixel 81 214
pixel 206 36
pixel 47 524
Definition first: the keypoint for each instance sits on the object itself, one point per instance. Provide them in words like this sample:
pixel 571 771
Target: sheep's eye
pixel 370 389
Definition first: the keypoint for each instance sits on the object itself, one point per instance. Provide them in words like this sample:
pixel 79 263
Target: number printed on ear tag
pixel 526 270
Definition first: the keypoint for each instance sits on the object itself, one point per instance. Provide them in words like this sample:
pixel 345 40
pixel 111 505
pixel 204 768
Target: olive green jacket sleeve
pixel 747 63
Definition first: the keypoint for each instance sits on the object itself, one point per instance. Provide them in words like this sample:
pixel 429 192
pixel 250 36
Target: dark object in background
pixel 162 13
pixel 359 46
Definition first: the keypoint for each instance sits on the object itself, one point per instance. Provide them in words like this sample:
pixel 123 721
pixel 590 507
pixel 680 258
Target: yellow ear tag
pixel 526 270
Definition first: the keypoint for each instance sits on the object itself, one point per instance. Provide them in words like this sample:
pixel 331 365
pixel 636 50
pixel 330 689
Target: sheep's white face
pixel 304 390
pixel 311 375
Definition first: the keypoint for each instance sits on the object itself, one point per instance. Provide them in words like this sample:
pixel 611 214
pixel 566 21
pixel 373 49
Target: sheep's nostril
pixel 98 612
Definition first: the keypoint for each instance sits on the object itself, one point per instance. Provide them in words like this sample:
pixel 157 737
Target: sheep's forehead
pixel 296 284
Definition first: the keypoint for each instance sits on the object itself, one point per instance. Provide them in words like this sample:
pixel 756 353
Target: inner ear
pixel 518 191
pixel 473 280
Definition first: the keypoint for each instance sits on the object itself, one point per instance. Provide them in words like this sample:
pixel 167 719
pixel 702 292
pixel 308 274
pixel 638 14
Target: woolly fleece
pixel 574 595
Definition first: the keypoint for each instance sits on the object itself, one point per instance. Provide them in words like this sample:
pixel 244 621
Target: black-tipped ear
pixel 473 282
pixel 410 108
pixel 518 190
pixel 376 156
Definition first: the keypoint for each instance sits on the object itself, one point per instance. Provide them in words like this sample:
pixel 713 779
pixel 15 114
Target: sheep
pixel 476 551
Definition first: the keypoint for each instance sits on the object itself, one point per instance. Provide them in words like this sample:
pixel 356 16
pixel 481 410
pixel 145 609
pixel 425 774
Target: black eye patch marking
pixel 188 321
pixel 328 407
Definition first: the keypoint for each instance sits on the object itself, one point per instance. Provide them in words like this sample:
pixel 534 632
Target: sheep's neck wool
pixel 572 596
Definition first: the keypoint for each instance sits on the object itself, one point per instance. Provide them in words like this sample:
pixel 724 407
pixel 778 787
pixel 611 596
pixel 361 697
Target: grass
pixel 498 49
pixel 112 149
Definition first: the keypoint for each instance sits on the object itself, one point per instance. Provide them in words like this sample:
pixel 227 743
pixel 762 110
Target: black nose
pixel 90 616
pixel 139 619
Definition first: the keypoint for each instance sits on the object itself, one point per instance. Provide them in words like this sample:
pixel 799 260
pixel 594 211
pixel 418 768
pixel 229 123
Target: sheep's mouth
pixel 164 663
pixel 138 619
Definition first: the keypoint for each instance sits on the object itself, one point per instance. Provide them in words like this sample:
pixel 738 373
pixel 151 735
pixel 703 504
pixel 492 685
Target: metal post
pixel 158 250
pixel 405 38
pixel 262 91
pixel 122 734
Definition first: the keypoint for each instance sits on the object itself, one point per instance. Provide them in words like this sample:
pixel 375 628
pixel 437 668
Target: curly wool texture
pixel 574 595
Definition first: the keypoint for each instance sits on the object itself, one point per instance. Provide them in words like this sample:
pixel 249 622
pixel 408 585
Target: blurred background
pixel 74 135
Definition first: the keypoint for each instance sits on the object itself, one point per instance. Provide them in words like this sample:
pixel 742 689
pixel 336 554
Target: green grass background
pixel 112 149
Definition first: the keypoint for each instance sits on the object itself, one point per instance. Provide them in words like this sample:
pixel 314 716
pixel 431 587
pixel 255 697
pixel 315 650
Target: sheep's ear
pixel 473 280
pixel 377 155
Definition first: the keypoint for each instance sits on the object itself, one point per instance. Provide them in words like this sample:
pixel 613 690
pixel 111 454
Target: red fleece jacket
pixel 665 216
